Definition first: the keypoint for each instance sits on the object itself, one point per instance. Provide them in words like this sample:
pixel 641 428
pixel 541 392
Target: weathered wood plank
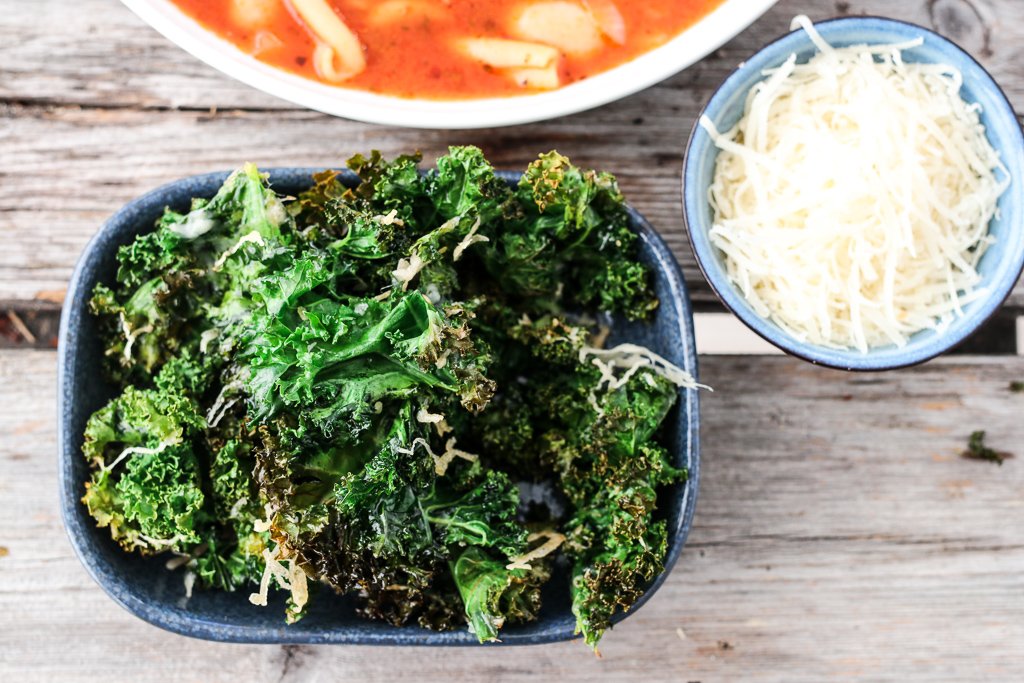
pixel 96 108
pixel 101 55
pixel 86 163
pixel 838 535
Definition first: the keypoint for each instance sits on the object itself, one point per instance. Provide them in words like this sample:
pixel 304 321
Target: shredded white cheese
pixel 437 419
pixel 433 293
pixel 262 525
pixel 390 219
pixel 628 359
pixel 554 540
pixel 206 337
pixel 131 335
pixel 162 542
pixel 142 450
pixel 408 269
pixel 197 223
pixel 442 461
pixel 179 560
pixel 852 200
pixel 251 238
pixel 424 416
pixel 260 598
pixel 297 584
pixel 237 507
pixel 276 213
pixel 222 403
pixel 469 240
pixel 289 576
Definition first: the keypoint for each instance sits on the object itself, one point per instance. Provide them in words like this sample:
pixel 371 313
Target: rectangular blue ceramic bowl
pixel 147 589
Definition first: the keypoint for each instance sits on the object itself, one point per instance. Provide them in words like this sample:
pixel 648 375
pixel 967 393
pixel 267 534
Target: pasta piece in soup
pixel 265 41
pixel 405 11
pixel 540 79
pixel 502 53
pixel 530 65
pixel 566 25
pixel 254 14
pixel 609 19
pixel 338 54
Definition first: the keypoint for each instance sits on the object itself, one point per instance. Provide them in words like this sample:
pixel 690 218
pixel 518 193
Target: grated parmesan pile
pixel 852 200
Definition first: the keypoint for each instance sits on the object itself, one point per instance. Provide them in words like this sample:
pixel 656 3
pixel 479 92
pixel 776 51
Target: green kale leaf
pixel 495 595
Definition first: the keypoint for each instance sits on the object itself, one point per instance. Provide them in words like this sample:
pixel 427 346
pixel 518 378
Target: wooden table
pixel 839 533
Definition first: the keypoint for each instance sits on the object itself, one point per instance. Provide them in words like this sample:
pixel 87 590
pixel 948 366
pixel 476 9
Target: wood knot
pixel 965 22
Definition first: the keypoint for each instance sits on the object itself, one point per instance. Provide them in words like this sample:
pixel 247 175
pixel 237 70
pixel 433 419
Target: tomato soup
pixel 447 49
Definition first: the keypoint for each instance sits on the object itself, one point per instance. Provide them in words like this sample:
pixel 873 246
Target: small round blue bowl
pixel 1002 263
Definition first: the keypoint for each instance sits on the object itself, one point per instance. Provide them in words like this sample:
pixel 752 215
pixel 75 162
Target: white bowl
pixel 731 17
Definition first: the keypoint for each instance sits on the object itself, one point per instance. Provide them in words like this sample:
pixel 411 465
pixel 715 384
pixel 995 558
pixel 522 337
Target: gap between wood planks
pixel 724 334
pixel 718 333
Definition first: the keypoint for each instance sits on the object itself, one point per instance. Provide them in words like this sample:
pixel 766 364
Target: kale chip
pixel 349 387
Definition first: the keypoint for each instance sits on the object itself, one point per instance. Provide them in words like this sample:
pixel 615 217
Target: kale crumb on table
pixel 345 389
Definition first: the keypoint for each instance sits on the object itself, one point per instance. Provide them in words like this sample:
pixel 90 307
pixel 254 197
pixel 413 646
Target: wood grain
pixel 96 108
pixel 839 535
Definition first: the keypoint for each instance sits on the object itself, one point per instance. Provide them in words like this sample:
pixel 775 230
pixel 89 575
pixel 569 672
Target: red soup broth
pixel 414 52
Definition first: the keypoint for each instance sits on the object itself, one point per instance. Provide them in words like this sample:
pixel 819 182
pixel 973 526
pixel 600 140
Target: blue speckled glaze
pixel 147 589
pixel 1000 266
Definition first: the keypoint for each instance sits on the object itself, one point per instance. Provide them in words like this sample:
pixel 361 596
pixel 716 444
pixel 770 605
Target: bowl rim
pixel 849 360
pixel 709 33
pixel 195 626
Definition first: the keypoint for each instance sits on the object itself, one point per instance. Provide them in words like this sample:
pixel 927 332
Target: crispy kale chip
pixel 146 482
pixel 189 276
pixel 331 362
pixel 595 433
pixel 483 516
pixel 351 387
pixel 567 237
pixel 611 469
pixel 465 185
pixel 494 594
pixel 977 450
pixel 378 525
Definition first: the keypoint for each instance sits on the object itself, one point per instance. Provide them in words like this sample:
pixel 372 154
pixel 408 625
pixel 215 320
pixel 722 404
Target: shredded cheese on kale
pixel 550 545
pixel 469 240
pixel 442 461
pixel 253 237
pixel 628 359
pixel 142 450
